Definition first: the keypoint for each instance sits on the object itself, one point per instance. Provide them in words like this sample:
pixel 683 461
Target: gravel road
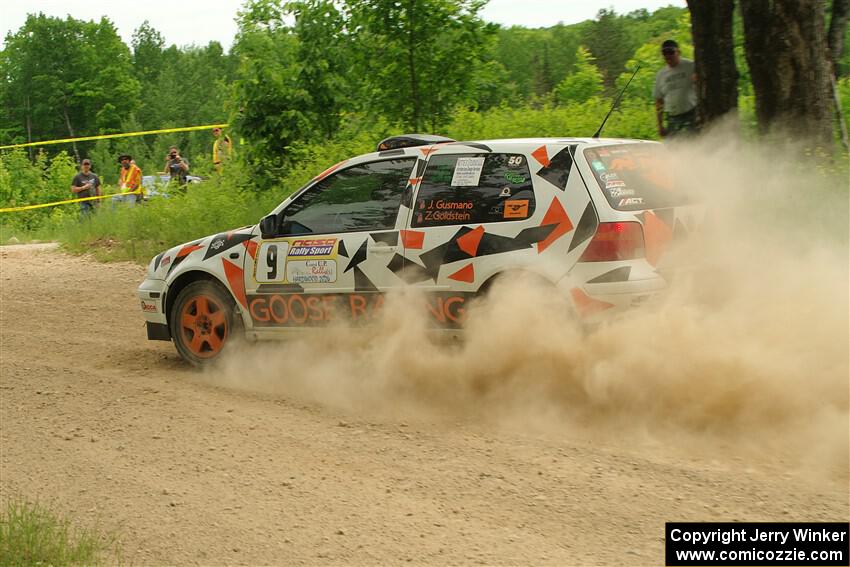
pixel 191 467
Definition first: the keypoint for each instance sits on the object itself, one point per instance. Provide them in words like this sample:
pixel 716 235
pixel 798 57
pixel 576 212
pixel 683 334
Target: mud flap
pixel 158 331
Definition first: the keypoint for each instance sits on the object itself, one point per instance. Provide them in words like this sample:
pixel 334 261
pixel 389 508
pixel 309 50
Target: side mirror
pixel 269 226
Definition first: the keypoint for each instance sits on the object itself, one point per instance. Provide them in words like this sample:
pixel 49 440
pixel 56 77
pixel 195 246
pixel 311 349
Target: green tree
pixel 148 61
pixel 319 28
pixel 66 78
pixel 514 49
pixel 148 46
pixel 418 58
pixel 492 86
pixel 192 86
pixel 271 101
pixel 536 59
pixel 611 42
pixel 584 83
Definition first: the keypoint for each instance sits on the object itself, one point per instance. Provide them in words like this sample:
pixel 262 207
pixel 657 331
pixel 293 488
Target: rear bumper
pixel 597 301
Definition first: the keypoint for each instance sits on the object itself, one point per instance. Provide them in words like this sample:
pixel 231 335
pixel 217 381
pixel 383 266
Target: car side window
pixel 474 188
pixel 362 197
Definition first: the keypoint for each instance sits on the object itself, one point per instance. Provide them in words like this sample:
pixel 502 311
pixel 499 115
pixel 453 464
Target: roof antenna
pixel 616 102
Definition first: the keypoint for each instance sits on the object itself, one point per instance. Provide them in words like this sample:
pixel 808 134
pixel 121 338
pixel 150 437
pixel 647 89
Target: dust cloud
pixel 749 347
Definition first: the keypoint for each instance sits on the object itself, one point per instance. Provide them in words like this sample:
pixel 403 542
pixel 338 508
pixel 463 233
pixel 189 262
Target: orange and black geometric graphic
pixel 586 227
pixel 225 241
pixel 557 170
pixel 183 253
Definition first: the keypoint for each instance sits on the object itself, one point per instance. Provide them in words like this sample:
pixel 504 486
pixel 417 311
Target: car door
pixel 487 210
pixel 328 259
pixel 469 206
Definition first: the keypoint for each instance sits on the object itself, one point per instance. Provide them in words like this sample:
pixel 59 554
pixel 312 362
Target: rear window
pixel 635 176
pixel 474 188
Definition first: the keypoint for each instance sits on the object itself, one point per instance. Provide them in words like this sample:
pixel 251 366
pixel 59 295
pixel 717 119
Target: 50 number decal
pixel 271 259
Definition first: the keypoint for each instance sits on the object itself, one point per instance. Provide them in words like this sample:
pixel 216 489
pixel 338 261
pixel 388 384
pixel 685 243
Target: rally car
pixel 593 217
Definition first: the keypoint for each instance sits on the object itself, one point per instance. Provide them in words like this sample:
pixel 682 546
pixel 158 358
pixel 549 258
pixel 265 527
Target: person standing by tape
pixel 129 180
pixel 675 93
pixel 222 149
pixel 86 184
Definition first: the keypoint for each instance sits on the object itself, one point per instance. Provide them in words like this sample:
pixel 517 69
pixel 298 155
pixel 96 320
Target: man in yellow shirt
pixel 129 180
pixel 222 149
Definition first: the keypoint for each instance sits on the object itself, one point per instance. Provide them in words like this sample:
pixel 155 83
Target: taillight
pixel 615 241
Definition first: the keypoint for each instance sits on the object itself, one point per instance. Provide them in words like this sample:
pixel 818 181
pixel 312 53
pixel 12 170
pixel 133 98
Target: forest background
pixel 305 85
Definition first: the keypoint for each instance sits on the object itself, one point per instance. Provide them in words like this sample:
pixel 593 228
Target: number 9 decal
pixel 270 263
pixel 271 260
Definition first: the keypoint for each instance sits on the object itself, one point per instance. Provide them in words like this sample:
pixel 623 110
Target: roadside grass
pixel 33 534
pixel 138 233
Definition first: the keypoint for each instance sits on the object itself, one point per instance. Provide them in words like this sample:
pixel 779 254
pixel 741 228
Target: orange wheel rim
pixel 203 326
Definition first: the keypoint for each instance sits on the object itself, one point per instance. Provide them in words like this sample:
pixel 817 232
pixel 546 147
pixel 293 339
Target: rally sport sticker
pixel 313 248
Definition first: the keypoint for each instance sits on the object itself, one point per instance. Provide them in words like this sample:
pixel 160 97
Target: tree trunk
pixel 786 49
pixel 714 57
pixel 29 126
pixel 835 40
pixel 70 132
pixel 411 62
pixel 837 27
pixel 839 113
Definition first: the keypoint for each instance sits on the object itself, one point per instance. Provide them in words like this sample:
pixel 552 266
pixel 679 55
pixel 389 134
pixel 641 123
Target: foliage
pixel 26 182
pixel 575 119
pixel 611 42
pixel 417 58
pixel 32 534
pixel 536 59
pixel 64 78
pixel 584 83
pixel 274 102
pixel 69 77
pixel 319 28
pixel 492 86
pixel 192 87
pixel 148 57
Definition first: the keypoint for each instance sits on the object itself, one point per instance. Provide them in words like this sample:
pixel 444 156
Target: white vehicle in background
pixel 592 216
pixel 155 185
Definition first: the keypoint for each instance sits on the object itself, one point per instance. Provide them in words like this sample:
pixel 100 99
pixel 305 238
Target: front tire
pixel 202 322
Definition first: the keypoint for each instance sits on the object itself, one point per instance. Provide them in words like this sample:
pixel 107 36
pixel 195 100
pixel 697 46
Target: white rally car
pixel 593 217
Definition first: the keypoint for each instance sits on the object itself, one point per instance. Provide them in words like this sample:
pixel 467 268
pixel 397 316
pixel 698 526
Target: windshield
pixel 635 176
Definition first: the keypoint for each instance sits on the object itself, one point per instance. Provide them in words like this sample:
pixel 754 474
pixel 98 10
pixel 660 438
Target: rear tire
pixel 203 322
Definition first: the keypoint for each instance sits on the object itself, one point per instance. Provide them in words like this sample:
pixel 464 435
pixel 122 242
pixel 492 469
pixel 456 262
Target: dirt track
pixel 116 429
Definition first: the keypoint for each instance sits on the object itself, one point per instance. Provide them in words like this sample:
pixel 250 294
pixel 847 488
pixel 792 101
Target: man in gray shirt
pixel 86 184
pixel 675 92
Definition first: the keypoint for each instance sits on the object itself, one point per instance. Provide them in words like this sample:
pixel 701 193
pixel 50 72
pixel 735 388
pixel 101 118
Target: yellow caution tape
pixel 65 202
pixel 107 136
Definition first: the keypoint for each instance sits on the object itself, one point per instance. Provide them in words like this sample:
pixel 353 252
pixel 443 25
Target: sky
pixel 198 22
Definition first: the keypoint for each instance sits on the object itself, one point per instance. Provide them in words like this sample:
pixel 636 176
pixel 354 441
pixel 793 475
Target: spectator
pixel 675 93
pixel 86 184
pixel 129 181
pixel 176 166
pixel 222 149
